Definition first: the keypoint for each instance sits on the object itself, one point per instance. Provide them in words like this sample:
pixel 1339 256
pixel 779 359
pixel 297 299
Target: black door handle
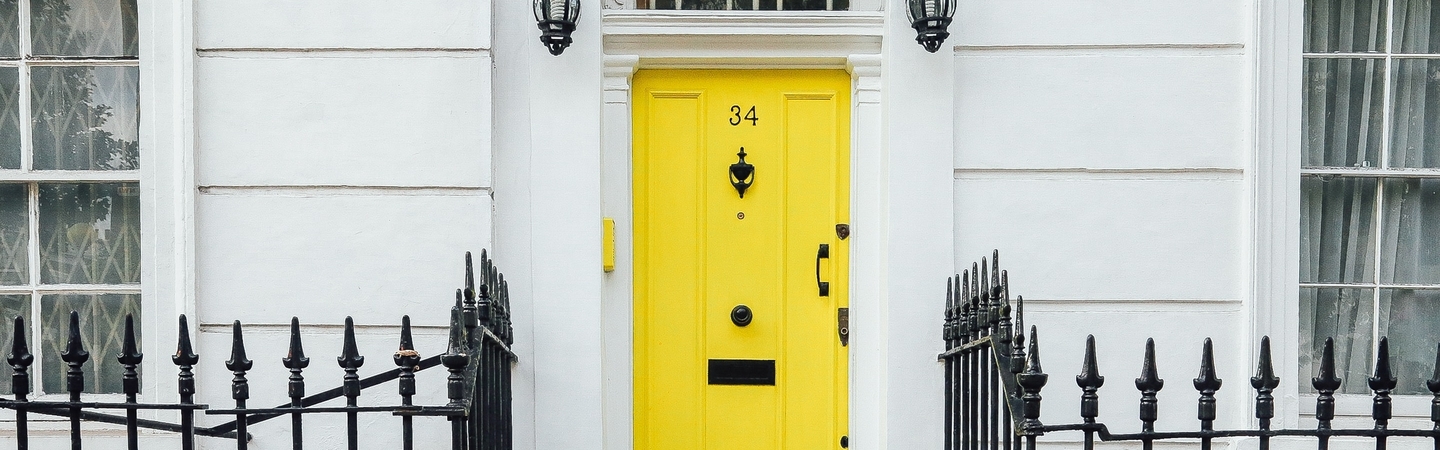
pixel 824 252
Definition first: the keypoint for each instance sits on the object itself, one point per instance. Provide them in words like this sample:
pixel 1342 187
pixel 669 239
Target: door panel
pixel 701 250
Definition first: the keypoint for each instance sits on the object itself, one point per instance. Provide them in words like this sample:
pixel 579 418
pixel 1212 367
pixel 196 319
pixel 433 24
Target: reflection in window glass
pixel 9 28
pixel 1343 113
pixel 1407 318
pixel 1336 235
pixel 14 235
pixel 90 233
pixel 1347 316
pixel 9 118
pixel 1409 253
pixel 83 27
pixel 102 332
pixel 1415 129
pixel 86 118
pixel 1345 26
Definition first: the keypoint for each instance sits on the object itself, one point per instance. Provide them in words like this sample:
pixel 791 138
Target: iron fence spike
pixel 74 349
pixel 995 269
pixel 1090 370
pixel 238 361
pixel 1149 375
pixel 20 356
pixel 129 353
pixel 1264 370
pixel 295 358
pixel 184 352
pixel 350 355
pixel 1327 380
pixel 1383 379
pixel 1433 384
pixel 469 278
pixel 1207 380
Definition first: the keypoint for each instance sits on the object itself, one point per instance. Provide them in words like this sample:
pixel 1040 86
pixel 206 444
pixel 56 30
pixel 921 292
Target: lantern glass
pixel 556 19
pixel 931 20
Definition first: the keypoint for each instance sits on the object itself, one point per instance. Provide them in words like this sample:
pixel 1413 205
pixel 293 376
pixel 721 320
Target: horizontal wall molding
pixel 1080 173
pixel 1109 50
pixel 1128 306
pixel 344 190
pixel 771 39
pixel 340 52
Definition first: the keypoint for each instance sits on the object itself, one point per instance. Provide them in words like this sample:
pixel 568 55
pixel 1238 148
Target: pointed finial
pixel 469 278
pixel 1383 380
pixel 350 356
pixel 20 353
pixel 1090 370
pixel 295 358
pixel 1207 380
pixel 184 353
pixel 995 270
pixel 965 287
pixel 238 362
pixel 1327 381
pixel 406 356
pixel 129 351
pixel 984 276
pixel 1089 381
pixel 975 282
pixel 74 351
pixel 1032 362
pixel 1149 376
pixel 1264 371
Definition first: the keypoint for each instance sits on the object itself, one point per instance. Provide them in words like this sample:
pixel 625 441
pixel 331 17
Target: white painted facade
pixel 1136 163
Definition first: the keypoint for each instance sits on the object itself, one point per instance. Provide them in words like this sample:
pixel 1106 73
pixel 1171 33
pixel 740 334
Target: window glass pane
pixel 1417 27
pixel 14 235
pixel 1347 316
pixel 1343 112
pixel 86 118
pixel 1411 319
pixel 1336 230
pixel 1410 240
pixel 1345 25
pixel 9 28
pixel 11 306
pixel 83 27
pixel 702 4
pixel 9 118
pixel 102 332
pixel 1415 126
pixel 90 233
pixel 811 5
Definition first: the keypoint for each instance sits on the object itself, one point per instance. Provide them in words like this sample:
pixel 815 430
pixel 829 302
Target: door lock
pixel 842 317
pixel 823 253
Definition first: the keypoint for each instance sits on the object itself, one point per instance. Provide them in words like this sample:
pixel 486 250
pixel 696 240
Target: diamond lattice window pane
pixel 14 235
pixel 102 332
pixel 86 118
pixel 89 233
pixel 9 28
pixel 11 306
pixel 9 117
pixel 83 28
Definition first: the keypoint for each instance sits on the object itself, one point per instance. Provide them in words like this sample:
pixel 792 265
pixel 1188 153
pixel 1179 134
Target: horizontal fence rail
pixel 478 358
pixel 984 414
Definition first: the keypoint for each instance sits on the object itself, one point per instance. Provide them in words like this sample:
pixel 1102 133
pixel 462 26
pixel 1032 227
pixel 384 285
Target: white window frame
pixel 32 179
pixel 1276 197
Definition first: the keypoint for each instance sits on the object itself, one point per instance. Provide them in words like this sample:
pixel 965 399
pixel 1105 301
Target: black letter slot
pixel 760 372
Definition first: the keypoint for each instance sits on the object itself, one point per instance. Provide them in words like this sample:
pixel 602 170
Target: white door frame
pixel 685 39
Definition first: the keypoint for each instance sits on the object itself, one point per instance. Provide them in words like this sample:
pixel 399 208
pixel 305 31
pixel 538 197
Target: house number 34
pixel 736 118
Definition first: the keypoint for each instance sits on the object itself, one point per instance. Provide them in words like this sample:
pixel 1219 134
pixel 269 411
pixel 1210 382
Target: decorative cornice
pixel 725 34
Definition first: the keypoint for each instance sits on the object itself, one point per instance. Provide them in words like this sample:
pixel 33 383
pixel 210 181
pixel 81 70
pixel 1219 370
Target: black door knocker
pixel 742 174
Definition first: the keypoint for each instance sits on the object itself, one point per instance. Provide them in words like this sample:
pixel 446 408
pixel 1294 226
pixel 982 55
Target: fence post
pixel 455 360
pixel 1149 385
pixel 1382 383
pixel 1207 383
pixel 186 358
pixel 1265 383
pixel 130 357
pixel 239 386
pixel 1325 385
pixel 20 360
pixel 407 358
pixel 1031 381
pixel 1089 381
pixel 296 361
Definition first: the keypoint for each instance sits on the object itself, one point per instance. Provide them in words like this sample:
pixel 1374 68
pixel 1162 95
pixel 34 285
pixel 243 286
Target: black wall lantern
pixel 931 20
pixel 557 20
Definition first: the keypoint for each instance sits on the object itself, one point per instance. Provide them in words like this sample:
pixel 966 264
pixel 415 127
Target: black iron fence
pixel 993 382
pixel 478 358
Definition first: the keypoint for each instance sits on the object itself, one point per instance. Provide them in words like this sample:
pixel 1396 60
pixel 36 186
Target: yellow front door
pixel 705 377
